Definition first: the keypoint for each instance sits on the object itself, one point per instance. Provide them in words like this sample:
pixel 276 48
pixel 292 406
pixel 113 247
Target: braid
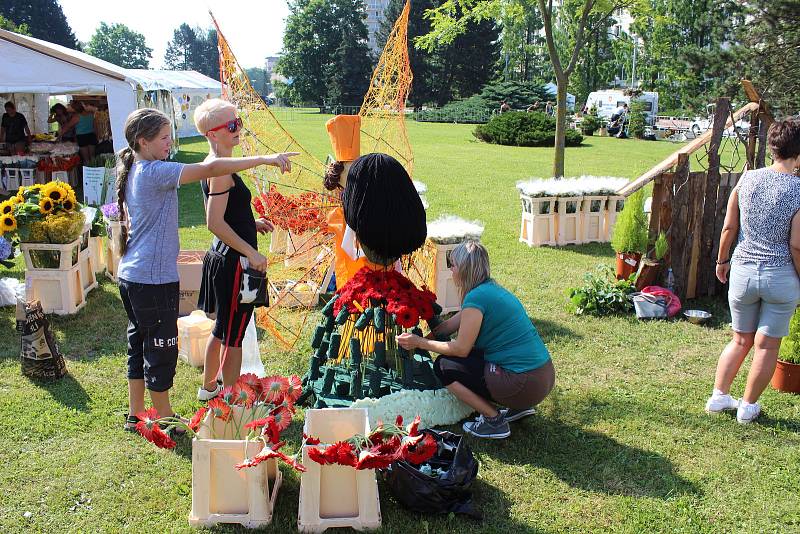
pixel 124 164
pixel 333 175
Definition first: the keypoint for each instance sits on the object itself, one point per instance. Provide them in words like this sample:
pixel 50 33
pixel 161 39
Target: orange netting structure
pixel 383 126
pixel 302 246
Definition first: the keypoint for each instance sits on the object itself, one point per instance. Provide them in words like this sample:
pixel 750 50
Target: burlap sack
pixel 39 353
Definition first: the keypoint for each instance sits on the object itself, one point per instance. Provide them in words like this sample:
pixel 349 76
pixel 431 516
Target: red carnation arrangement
pixel 390 289
pixel 297 214
pixel 387 444
pixel 267 403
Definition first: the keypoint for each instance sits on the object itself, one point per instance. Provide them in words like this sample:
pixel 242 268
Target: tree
pixel 258 79
pixel 181 50
pixel 349 74
pixel 44 19
pixel 193 49
pixel 318 38
pixel 119 45
pixel 581 17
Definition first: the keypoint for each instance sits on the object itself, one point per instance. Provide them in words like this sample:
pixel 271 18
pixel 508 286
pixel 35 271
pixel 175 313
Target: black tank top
pixel 238 213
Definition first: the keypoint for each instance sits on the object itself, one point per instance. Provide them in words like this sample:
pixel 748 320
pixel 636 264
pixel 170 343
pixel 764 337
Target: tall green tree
pixel 443 72
pixel 118 44
pixel 258 79
pixel 182 49
pixel 208 53
pixel 44 20
pixel 349 73
pixel 325 56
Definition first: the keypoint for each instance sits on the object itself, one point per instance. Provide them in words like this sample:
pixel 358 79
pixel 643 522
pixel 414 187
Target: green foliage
pixel 519 128
pixel 630 231
pixel 790 348
pixel 591 122
pixel 479 108
pixel 193 49
pixel 6 24
pixel 325 56
pixel 637 121
pixel 43 19
pixel 661 246
pixel 120 45
pixel 602 294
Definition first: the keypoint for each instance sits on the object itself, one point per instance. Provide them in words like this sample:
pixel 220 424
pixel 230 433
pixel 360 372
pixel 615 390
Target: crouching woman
pixel 497 355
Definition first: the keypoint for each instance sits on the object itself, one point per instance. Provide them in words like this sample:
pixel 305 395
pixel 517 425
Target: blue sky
pixel 254 28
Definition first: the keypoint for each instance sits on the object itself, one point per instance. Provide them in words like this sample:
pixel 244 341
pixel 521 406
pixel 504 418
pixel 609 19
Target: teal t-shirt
pixel 507 336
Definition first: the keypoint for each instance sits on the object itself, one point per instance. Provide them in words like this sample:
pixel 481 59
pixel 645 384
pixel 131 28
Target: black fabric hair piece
pixel 383 208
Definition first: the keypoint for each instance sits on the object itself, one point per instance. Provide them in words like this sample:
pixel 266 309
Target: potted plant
pixel 630 235
pixel 787 372
pixel 591 122
pixel 649 270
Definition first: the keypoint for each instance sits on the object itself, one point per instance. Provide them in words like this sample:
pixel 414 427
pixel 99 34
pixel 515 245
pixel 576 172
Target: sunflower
pixel 45 205
pixel 67 189
pixel 54 191
pixel 6 207
pixel 7 223
pixel 68 204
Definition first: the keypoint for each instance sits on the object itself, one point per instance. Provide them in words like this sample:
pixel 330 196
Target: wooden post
pixel 706 267
pixel 697 181
pixel 751 140
pixel 762 143
pixel 681 215
pixel 665 211
pixel 726 184
pixel 655 206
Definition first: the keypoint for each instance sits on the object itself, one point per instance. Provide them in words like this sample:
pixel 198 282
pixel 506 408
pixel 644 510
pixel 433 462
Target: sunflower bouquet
pixel 47 213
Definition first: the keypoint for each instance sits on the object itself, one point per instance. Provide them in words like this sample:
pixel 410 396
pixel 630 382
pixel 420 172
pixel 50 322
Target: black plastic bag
pixel 443 494
pixel 39 353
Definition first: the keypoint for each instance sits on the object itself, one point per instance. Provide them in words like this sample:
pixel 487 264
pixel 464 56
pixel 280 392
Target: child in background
pixel 147 190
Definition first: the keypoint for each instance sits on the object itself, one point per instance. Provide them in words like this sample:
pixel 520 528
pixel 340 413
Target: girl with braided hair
pixel 147 192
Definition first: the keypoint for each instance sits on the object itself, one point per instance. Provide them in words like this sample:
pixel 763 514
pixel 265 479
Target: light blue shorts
pixel 763 298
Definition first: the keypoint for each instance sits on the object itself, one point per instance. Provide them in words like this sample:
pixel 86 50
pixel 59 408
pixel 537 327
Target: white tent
pixel 552 88
pixel 188 89
pixel 37 69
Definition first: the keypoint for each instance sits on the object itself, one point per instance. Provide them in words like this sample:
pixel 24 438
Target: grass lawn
pixel 622 444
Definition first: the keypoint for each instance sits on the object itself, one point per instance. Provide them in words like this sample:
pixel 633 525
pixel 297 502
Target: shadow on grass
pixel 550 331
pixel 67 391
pixel 594 462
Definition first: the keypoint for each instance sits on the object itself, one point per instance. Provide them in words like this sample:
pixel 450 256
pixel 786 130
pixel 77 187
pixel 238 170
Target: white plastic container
pixel 193 332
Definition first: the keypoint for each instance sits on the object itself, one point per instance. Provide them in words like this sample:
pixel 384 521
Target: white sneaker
pixel 747 412
pixel 719 402
pixel 204 395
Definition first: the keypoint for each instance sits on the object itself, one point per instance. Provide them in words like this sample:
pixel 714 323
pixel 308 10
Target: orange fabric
pixel 345 134
pixel 344 266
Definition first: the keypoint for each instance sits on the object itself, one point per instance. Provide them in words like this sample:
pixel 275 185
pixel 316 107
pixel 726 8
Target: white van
pixel 609 100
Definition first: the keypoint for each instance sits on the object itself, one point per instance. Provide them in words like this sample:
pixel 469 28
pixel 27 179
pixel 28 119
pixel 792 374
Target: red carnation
pixel 295 389
pixel 219 408
pixel 283 416
pixel 265 454
pixel 372 460
pixel 274 388
pixel 407 317
pixel 318 455
pixel 252 380
pixel 413 428
pixel 341 453
pixel 228 395
pixel 310 440
pixel 197 419
pixel 421 452
pixel 149 429
pixel 245 395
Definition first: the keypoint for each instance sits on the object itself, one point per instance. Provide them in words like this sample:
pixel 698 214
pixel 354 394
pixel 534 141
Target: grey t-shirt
pixel 768 200
pixel 151 196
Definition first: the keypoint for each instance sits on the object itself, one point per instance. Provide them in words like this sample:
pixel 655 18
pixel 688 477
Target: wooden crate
pixel 222 494
pixel 334 496
pixel 568 224
pixel 538 226
pixel 97 251
pixel 88 277
pixel 50 256
pixel 613 209
pixel 60 291
pixel 593 218
pixel 114 230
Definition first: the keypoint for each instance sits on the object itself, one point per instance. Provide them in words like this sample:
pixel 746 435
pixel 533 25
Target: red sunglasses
pixel 232 126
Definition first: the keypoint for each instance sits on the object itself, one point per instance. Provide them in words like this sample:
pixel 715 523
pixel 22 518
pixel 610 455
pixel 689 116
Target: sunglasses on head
pixel 232 126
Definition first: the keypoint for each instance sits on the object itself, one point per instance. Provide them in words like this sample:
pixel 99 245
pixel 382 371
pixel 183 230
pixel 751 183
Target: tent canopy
pixel 31 65
pixel 174 80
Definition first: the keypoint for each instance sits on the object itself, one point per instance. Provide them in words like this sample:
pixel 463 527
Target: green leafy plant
pixel 790 348
pixel 518 128
pixel 591 122
pixel 637 121
pixel 661 246
pixel 602 294
pixel 630 232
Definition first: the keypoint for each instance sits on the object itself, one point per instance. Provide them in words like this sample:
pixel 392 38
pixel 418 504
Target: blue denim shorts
pixel 763 298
